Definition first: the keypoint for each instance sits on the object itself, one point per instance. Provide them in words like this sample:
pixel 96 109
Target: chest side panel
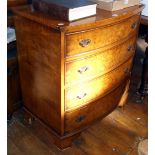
pixel 40 67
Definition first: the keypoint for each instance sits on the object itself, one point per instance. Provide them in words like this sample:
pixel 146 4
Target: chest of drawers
pixel 73 74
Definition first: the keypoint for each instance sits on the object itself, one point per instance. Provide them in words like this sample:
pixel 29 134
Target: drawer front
pixel 102 62
pixel 83 93
pixel 84 116
pixel 81 42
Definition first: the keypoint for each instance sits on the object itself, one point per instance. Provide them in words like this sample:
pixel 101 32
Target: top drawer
pixel 80 42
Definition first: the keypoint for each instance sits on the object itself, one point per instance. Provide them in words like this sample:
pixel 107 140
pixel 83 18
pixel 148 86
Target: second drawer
pixel 83 93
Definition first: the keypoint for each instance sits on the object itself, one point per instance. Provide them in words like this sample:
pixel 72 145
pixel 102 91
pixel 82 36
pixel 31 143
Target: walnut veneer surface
pixel 73 74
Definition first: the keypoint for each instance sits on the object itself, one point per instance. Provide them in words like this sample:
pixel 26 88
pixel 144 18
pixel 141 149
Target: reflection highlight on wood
pixel 47 52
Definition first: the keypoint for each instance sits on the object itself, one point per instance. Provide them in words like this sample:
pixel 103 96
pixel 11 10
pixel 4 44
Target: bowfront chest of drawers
pixel 73 74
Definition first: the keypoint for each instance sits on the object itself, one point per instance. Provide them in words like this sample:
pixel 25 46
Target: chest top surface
pixel 102 18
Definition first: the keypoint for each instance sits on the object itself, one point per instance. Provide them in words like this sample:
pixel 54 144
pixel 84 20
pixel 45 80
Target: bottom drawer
pixel 81 117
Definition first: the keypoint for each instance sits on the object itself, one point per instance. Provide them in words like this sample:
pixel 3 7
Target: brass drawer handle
pixel 84 42
pixel 131 48
pixel 80 118
pixel 83 69
pixel 81 96
pixel 127 72
pixel 134 25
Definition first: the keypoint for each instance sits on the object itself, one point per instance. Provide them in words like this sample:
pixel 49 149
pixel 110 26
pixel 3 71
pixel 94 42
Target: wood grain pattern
pixel 39 67
pixel 102 62
pixel 84 93
pixel 100 37
pixel 93 111
pixel 110 136
pixel 43 44
pixel 102 18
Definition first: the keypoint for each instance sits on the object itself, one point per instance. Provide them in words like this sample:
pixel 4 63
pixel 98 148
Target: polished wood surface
pixel 102 18
pixel 99 62
pixel 83 94
pixel 118 133
pixel 43 44
pixel 82 117
pixel 100 37
pixel 39 60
